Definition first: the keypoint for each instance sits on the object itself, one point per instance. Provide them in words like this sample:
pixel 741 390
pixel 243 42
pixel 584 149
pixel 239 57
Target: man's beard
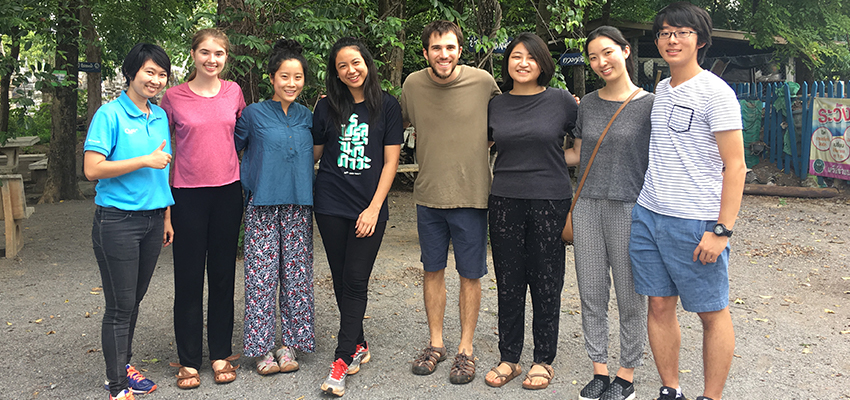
pixel 437 74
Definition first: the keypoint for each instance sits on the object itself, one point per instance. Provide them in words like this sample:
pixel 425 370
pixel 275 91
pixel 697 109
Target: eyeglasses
pixel 676 34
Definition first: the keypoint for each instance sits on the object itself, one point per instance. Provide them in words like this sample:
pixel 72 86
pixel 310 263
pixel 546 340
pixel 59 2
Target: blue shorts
pixel 662 251
pixel 467 230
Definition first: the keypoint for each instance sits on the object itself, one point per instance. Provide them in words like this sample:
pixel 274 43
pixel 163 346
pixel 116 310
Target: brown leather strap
pixel 599 142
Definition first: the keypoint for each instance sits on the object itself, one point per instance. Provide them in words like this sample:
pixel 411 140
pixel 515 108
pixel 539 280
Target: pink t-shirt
pixel 204 152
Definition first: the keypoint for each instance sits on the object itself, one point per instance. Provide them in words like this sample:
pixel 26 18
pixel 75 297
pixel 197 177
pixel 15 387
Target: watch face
pixel 718 229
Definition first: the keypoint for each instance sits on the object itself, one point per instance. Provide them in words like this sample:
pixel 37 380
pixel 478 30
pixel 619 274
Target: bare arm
pixel 366 221
pixel 573 154
pixel 317 152
pixel 97 167
pixel 731 147
pixel 168 232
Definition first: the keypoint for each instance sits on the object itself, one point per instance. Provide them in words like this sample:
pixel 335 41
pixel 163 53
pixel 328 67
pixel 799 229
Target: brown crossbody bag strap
pixel 599 142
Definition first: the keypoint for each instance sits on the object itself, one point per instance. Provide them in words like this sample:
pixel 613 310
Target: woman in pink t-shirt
pixel 208 207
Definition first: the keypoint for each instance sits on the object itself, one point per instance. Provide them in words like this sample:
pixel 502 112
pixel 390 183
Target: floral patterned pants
pixel 278 252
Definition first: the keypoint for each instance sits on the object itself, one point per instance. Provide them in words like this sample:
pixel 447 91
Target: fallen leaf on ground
pixel 766 297
pixel 51 332
pixel 739 301
pixel 761 319
pixel 828 311
pixel 38 321
pixel 94 292
pixel 684 371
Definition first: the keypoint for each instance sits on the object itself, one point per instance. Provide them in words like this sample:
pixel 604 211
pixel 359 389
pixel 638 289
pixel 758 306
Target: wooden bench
pixel 13 210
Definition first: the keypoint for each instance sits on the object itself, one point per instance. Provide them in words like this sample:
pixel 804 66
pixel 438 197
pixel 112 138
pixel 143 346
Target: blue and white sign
pixel 499 49
pixel 569 59
pixel 88 67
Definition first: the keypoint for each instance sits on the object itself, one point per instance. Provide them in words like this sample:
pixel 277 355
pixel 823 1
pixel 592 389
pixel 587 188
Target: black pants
pixel 525 236
pixel 126 245
pixel 206 232
pixel 351 260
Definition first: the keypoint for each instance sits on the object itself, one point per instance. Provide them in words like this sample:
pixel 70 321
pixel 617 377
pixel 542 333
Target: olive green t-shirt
pixel 451 137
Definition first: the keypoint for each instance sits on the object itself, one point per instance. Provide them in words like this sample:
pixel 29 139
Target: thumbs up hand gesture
pixel 159 159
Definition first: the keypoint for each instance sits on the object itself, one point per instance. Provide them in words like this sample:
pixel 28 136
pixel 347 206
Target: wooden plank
pixel 790 191
pixel 13 190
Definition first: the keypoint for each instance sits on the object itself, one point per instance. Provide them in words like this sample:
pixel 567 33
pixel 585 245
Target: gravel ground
pixel 790 285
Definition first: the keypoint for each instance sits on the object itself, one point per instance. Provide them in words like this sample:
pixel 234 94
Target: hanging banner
pixel 830 150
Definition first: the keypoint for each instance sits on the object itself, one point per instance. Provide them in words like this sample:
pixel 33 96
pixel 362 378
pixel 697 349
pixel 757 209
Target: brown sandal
pixel 463 369
pixel 426 362
pixel 504 378
pixel 184 377
pixel 549 375
pixel 228 368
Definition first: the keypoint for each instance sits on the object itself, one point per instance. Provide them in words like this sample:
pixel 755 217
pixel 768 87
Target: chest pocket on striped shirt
pixel 680 119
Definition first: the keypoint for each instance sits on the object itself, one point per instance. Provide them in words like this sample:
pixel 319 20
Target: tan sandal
pixel 266 364
pixel 227 369
pixel 286 359
pixel 549 375
pixel 504 378
pixel 184 377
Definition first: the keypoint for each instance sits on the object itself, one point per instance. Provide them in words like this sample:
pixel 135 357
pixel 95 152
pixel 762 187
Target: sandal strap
pixel 550 373
pixel 463 365
pixel 431 356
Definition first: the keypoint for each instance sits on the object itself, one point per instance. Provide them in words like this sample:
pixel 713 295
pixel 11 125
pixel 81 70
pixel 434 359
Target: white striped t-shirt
pixel 684 177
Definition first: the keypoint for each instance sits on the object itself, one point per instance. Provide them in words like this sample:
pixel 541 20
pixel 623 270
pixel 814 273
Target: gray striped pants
pixel 601 241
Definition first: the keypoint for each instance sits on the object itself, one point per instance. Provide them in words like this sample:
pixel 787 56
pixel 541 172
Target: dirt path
pixel 789 279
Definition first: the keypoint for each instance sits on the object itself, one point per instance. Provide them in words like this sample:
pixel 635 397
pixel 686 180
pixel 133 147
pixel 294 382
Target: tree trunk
pixel 606 13
pixel 6 81
pixel 542 18
pixel 393 57
pixel 489 19
pixel 248 77
pixel 61 181
pixel 94 89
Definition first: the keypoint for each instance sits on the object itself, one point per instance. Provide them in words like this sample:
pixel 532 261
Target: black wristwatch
pixel 720 230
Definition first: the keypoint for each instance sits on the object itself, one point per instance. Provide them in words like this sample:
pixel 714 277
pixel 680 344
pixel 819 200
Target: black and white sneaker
pixel 668 393
pixel 620 389
pixel 704 398
pixel 594 389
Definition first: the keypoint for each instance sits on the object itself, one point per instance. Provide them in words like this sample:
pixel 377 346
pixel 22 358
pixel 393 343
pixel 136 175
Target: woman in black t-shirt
pixel 357 133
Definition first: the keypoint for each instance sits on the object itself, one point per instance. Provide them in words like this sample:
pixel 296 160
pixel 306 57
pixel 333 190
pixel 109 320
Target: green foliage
pixel 38 124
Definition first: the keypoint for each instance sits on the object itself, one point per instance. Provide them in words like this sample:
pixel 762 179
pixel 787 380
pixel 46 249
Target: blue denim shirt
pixel 277 166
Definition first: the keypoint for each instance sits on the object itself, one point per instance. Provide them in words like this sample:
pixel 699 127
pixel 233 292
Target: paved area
pixel 790 284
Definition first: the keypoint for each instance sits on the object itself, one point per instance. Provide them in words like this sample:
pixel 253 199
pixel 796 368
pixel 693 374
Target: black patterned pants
pixel 528 254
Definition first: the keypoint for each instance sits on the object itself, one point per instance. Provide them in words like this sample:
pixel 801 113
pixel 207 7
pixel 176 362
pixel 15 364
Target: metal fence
pixel 793 158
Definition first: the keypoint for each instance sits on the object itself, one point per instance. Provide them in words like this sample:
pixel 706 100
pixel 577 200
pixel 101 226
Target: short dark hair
pixel 615 35
pixel 538 50
pixel 286 49
pixel 139 55
pixel 441 27
pixel 686 15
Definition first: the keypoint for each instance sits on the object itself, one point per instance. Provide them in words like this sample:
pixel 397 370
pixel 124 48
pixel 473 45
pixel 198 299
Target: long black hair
pixel 615 35
pixel 339 96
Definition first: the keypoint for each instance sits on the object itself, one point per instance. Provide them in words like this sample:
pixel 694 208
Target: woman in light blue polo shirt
pixel 277 176
pixel 127 151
